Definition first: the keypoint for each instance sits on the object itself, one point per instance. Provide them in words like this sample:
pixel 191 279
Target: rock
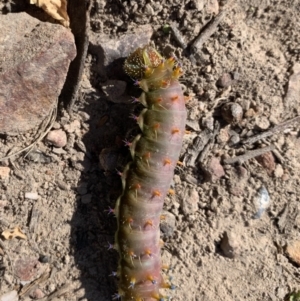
pixel 31 196
pixel 293 92
pixel 34 63
pixel 189 201
pixel 109 50
pixel 278 173
pixel 167 224
pixel 232 112
pixel 10 296
pixel 4 171
pixel 37 294
pixel 267 161
pixel 73 126
pixel 26 269
pixel 214 170
pixel 212 7
pixel 293 251
pixel 57 137
pixel 262 122
pixel 230 245
pixel 114 90
pixel 224 81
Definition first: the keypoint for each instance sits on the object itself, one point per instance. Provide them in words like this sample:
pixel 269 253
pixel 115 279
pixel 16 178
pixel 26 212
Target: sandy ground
pixel 220 247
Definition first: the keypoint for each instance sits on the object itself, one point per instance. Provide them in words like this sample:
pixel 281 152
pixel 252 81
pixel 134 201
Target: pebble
pixel 261 202
pixel 73 126
pixel 232 112
pixel 10 296
pixel 189 202
pixel 62 185
pixel 57 137
pixel 293 251
pixel 278 172
pixel 37 294
pixel 4 172
pixel 31 195
pixel 167 224
pixel 229 244
pixel 26 269
pixel 224 81
pixel 214 170
pixel 267 161
pixel 262 122
pixel 58 151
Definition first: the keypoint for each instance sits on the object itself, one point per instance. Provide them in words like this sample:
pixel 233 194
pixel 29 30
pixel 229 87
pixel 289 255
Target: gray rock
pixel 108 50
pixel 34 62
pixel 167 224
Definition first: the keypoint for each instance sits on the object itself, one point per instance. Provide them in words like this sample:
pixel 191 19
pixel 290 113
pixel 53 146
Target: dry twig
pixel 249 155
pixel 276 129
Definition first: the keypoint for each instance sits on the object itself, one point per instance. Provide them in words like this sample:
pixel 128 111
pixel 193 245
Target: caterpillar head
pixel 141 60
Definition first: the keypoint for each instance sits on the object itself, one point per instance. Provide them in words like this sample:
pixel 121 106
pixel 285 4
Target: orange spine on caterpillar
pixel 147 178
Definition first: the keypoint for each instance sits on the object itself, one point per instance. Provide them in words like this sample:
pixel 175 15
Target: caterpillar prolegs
pixel 147 178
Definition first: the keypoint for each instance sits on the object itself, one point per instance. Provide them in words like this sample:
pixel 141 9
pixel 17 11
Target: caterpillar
pixel 147 178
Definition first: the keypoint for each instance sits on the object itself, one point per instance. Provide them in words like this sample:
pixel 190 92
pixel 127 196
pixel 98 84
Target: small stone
pixel 10 296
pixel 167 224
pixel 26 269
pixel 189 202
pixel 44 258
pixel 37 294
pixel 224 81
pixel 267 161
pixel 232 112
pixel 212 7
pixel 62 185
pixel 57 137
pixel 86 199
pixel 73 126
pixel 278 173
pixel 214 170
pixel 199 4
pixel 109 50
pixel 262 122
pixel 223 136
pixel 293 251
pixel 4 172
pixel 32 195
pixel 229 245
pixel 58 151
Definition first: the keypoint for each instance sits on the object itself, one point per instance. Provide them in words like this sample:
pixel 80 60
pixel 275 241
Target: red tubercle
pixel 156 193
pixel 149 223
pixel 152 279
pixel 167 161
pixel 175 131
pixel 148 253
pixel 174 98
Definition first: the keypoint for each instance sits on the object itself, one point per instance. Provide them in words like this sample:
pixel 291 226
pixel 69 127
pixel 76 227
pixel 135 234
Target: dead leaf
pixel 15 233
pixel 57 9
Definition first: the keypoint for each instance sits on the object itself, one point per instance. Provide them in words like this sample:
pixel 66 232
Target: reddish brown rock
pixel 293 251
pixel 57 137
pixel 267 161
pixel 26 269
pixel 34 62
pixel 214 170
